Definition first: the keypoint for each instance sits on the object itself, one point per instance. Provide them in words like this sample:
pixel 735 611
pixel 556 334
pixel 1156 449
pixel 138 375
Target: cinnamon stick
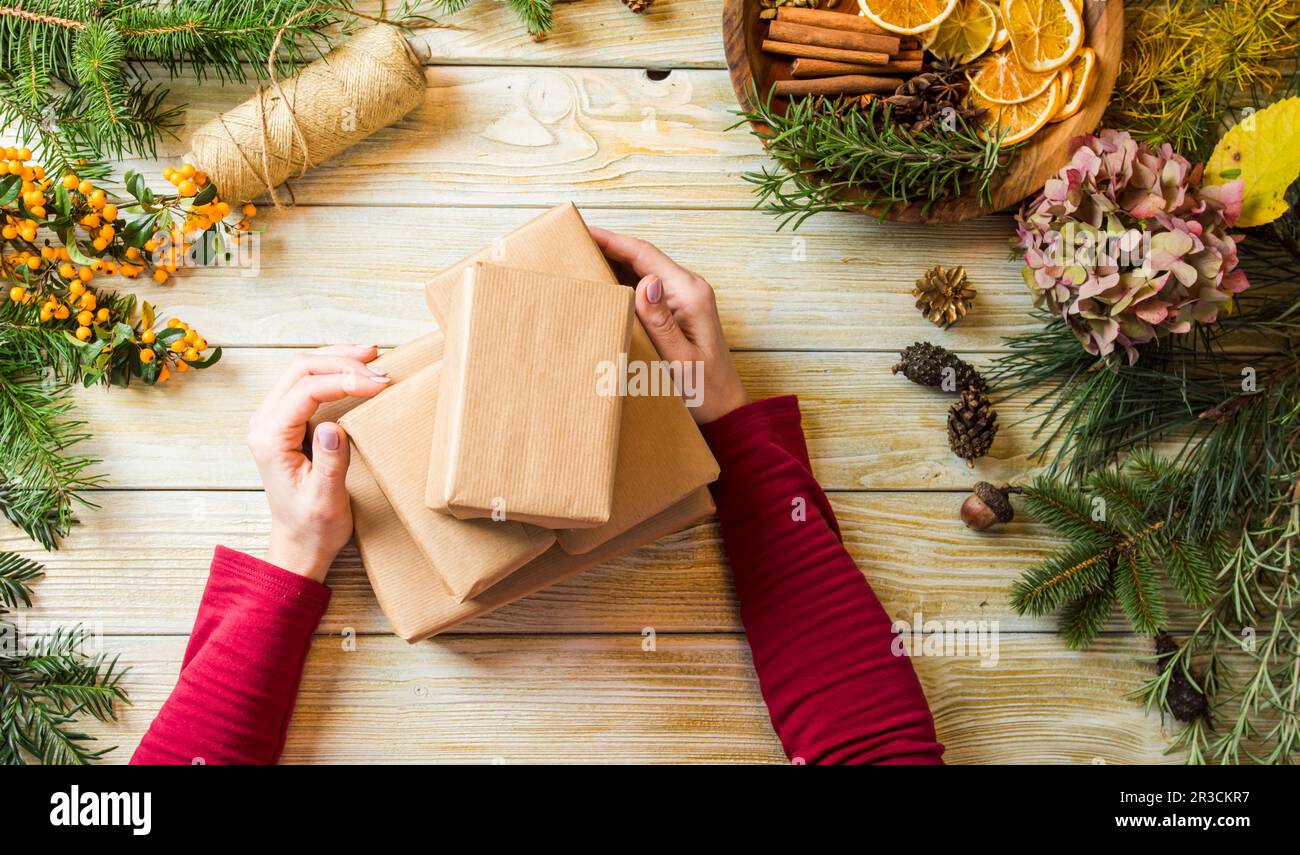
pixel 804 68
pixel 847 84
pixel 917 54
pixel 830 20
pixel 818 52
pixel 783 31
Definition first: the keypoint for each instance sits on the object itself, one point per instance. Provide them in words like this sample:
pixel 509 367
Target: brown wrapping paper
pixel 407 587
pixel 662 458
pixel 388 432
pixel 523 430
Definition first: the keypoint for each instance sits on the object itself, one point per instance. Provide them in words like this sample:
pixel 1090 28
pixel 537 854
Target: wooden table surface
pixel 507 128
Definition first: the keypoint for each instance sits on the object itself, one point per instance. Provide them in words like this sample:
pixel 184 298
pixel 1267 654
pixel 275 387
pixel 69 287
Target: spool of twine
pixel 367 83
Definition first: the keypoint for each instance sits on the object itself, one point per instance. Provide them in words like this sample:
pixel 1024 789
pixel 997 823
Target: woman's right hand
pixel 311 518
pixel 679 311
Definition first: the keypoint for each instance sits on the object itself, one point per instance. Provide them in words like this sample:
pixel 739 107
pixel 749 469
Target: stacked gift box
pixel 495 465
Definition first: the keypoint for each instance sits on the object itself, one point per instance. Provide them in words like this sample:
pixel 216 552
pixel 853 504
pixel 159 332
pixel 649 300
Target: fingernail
pixel 366 346
pixel 655 290
pixel 378 372
pixel 380 379
pixel 328 437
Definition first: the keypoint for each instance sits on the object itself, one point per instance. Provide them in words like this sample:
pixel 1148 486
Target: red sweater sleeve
pixel 241 669
pixel 820 639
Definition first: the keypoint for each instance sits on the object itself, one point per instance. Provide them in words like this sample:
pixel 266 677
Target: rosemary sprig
pixel 834 159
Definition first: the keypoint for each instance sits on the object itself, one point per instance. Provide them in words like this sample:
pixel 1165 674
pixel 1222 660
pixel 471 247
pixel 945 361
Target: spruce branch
pixel 48 683
pixel 1120 547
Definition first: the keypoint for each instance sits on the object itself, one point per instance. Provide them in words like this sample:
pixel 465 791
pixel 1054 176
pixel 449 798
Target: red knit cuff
pixel 270 579
pixel 772 420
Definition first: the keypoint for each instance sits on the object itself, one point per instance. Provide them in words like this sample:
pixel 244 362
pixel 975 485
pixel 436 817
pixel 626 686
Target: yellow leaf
pixel 1261 150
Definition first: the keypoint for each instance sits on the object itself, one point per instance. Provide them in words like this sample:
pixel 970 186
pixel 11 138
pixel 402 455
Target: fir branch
pixel 538 15
pixel 1117 551
pixel 42 479
pixel 832 159
pixel 48 683
pixel 16 575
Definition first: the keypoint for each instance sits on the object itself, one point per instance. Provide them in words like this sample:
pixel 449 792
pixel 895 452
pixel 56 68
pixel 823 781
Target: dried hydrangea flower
pixel 1127 245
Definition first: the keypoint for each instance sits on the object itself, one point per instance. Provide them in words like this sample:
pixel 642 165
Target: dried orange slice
pixel 1045 34
pixel 965 34
pixel 1000 78
pixel 1019 121
pixel 1001 37
pixel 907 17
pixel 1074 90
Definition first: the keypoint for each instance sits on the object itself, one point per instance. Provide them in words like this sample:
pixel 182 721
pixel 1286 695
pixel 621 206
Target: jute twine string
pixel 368 82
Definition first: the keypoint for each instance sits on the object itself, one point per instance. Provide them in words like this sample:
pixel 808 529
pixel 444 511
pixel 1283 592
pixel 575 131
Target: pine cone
pixel 925 364
pixel 1182 698
pixel 944 296
pixel 638 6
pixel 972 425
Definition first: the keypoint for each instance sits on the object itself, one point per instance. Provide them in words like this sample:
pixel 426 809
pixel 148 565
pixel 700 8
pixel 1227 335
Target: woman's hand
pixel 311 518
pixel 678 310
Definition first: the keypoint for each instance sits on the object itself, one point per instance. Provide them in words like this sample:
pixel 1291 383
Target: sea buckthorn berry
pixel 150 246
pixel 90 221
pixel 98 199
pixel 188 170
pixel 67 271
pixel 250 210
pixel 62 312
pixel 83 333
pixel 87 301
pixel 76 289
pixel 177 346
pixel 110 212
pixel 107 232
pixel 187 188
pixel 47 312
pixel 200 344
pixel 102 315
pixel 49 253
pixel 164 374
pixel 24 153
pixel 85 188
pixel 17 293
pixel 168 172
pixel 110 268
pixel 34 263
pixel 200 178
pixel 85 274
pixel 182 366
pixel 148 336
pixel 71 181
pixel 160 276
pixel 190 337
pixel 190 354
pixel 85 318
pixel 147 355
pixel 99 244
pixel 15 168
pixel 9 232
pixel 132 253
pixel 37 210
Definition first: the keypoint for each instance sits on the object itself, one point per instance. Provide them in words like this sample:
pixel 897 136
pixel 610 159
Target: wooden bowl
pixel 1035 161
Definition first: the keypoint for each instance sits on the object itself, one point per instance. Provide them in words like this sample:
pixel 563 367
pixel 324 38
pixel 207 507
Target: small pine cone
pixel 944 296
pixel 638 6
pixel 1182 698
pixel 972 425
pixel 928 365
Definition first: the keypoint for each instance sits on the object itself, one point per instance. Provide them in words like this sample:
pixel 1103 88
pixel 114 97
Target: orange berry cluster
pixel 201 216
pixel 56 280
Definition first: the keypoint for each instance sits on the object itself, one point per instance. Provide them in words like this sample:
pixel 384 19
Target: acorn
pixel 988 505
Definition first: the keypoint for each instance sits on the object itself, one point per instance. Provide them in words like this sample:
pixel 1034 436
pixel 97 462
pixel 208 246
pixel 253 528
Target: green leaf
pixel 138 231
pixel 122 333
pixel 77 256
pixel 206 195
pixel 10 186
pixel 169 335
pixel 207 361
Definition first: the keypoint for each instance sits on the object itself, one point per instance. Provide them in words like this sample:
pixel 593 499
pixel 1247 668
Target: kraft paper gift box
pixel 389 433
pixel 523 430
pixel 662 458
pixel 407 587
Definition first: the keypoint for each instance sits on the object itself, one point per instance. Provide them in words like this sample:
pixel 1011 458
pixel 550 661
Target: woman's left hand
pixel 311 518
